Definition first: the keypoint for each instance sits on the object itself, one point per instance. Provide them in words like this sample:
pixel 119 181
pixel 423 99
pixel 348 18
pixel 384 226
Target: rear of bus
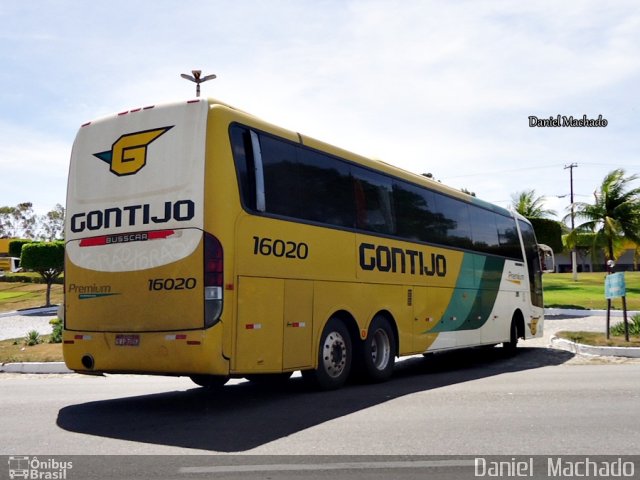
pixel 143 281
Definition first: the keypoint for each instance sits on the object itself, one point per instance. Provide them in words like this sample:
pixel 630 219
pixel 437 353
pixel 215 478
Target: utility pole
pixel 574 263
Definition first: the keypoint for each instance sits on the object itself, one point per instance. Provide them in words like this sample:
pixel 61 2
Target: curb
pixel 35 367
pixel 587 313
pixel 569 346
pixel 52 310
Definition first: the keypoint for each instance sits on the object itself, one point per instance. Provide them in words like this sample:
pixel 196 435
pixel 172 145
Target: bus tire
pixel 510 347
pixel 334 357
pixel 209 381
pixel 378 350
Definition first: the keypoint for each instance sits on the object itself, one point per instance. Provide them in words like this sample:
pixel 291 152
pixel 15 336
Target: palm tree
pixel 614 215
pixel 528 205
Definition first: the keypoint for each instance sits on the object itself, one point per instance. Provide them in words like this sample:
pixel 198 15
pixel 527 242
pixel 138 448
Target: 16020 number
pixel 158 284
pixel 280 248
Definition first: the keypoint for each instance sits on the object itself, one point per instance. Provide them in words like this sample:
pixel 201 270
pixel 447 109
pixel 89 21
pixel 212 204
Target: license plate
pixel 128 340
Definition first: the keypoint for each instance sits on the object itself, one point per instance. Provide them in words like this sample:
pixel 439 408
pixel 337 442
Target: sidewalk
pixel 17 324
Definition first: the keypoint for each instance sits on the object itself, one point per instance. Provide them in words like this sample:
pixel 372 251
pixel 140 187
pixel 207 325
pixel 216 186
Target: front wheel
pixel 510 347
pixel 334 357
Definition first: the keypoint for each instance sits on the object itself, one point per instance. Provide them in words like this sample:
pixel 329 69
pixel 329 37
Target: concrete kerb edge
pixel 579 348
pixel 587 313
pixel 35 367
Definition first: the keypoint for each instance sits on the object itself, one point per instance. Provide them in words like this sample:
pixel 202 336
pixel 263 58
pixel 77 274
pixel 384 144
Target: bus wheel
pixel 334 357
pixel 209 381
pixel 511 346
pixel 379 350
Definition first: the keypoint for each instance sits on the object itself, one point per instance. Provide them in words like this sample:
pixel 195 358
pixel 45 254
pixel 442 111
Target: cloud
pixel 34 167
pixel 429 86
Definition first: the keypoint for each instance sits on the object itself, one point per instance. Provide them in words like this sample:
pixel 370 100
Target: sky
pixel 430 86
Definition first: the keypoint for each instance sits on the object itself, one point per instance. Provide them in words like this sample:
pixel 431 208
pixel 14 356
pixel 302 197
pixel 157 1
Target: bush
pixel 634 327
pixel 32 338
pixel 548 232
pixel 15 247
pixel 56 335
pixel 27 278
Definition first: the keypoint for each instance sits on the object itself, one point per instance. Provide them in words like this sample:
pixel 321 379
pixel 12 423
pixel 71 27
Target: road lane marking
pixel 295 467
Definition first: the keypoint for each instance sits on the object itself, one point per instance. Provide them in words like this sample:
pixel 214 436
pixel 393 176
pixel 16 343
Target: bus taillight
pixel 213 280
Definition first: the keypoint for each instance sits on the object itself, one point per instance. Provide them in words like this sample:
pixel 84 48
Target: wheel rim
pixel 380 349
pixel 334 354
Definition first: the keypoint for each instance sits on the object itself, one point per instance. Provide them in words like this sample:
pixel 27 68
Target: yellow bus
pixel 202 241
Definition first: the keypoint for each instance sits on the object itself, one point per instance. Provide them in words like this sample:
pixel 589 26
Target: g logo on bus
pixel 128 155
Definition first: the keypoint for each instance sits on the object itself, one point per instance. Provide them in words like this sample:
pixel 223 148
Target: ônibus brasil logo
pixel 128 154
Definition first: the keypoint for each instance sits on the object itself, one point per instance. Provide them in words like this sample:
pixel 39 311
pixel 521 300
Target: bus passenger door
pixel 259 335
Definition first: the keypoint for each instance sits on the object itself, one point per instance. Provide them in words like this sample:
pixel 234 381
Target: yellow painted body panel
pixel 128 302
pixel 158 352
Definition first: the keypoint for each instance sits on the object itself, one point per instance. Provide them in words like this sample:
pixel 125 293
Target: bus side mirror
pixel 547 259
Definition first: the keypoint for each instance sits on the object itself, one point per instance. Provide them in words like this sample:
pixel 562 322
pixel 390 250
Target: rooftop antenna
pixel 197 79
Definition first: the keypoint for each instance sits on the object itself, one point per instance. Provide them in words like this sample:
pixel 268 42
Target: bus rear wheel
pixel 378 351
pixel 209 381
pixel 334 357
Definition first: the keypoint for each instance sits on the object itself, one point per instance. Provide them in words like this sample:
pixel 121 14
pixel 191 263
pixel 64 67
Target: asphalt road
pixel 476 402
pixel 467 404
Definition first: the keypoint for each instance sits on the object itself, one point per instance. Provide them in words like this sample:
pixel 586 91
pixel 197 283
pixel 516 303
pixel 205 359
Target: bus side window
pixel 243 157
pixel 455 222
pixel 374 201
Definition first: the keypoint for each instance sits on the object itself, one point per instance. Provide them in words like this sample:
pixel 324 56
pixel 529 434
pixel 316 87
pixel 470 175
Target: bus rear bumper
pixel 165 353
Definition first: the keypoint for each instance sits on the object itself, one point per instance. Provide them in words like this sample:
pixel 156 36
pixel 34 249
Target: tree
pixel 18 221
pixel 528 205
pixel 52 223
pixel 614 215
pixel 548 232
pixel 7 229
pixel 46 258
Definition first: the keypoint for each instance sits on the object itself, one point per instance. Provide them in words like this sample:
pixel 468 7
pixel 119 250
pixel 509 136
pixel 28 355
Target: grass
pixel 15 350
pixel 16 296
pixel 599 339
pixel 561 291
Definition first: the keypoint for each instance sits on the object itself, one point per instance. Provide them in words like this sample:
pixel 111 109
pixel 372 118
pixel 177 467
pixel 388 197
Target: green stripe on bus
pixel 469 308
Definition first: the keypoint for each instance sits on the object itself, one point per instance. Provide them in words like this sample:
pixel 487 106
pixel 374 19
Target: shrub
pixel 634 327
pixel 56 335
pixel 32 338
pixel 27 278
pixel 548 232
pixel 15 246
